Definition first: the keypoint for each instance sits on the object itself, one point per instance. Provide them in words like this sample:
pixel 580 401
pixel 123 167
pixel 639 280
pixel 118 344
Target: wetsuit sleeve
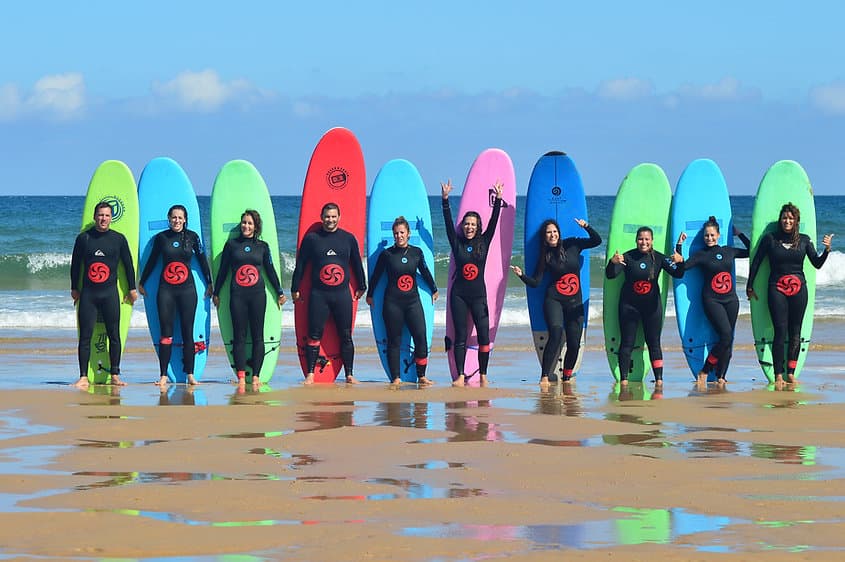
pixel 76 260
pixel 356 264
pixel 126 258
pixel 494 220
pixel 450 224
pixel 155 252
pixel 539 269
pixel 199 251
pixel 225 258
pixel 740 252
pixel 613 269
pixel 666 264
pixel 593 240
pixel 422 267
pixel 270 271
pixel 815 258
pixel 694 260
pixel 377 271
pixel 762 252
pixel 302 257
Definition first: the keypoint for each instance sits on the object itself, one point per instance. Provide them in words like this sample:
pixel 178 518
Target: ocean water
pixel 37 234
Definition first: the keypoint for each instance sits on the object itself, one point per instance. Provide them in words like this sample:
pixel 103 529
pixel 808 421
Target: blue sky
pixel 746 83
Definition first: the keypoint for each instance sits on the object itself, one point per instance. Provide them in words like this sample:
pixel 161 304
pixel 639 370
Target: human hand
pixel 445 188
pixel 517 270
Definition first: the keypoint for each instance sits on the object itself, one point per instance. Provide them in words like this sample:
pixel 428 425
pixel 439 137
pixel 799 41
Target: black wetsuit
pixel 640 301
pixel 97 255
pixel 468 294
pixel 563 306
pixel 333 256
pixel 244 258
pixel 402 305
pixel 177 293
pixel 787 291
pixel 718 296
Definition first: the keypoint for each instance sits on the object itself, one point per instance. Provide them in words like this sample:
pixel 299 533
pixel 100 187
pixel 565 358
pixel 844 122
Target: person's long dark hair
pixel 256 219
pixel 796 236
pixel 478 241
pixel 550 252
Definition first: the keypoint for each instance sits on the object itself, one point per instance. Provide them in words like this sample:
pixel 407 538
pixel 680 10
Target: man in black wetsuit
pixel 98 251
pixel 333 254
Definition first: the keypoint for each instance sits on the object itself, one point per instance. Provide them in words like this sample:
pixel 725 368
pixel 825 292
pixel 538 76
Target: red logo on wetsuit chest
pixel 246 276
pixel 722 283
pixel 98 272
pixel 470 271
pixel 642 287
pixel 568 285
pixel 789 285
pixel 405 283
pixel 175 273
pixel 332 275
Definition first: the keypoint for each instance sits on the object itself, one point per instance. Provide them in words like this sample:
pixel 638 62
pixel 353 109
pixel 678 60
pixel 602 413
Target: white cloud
pixel 205 91
pixel 59 96
pixel 625 89
pixel 829 98
pixel 728 88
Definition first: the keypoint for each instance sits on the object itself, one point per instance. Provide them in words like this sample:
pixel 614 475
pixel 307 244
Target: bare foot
pixel 544 382
pixel 256 383
pixel 396 382
pixel 790 378
pixel 115 381
pixel 702 378
pixel 163 381
pixel 192 381
pixel 309 379
pixel 351 380
pixel 423 381
pixel 658 383
pixel 624 382
pixel 483 380
pixel 83 382
pixel 460 381
pixel 779 381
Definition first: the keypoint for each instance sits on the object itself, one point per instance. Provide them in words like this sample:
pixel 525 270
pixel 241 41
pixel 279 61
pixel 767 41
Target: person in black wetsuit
pixel 177 293
pixel 718 294
pixel 563 305
pixel 402 306
pixel 468 294
pixel 333 254
pixel 786 249
pixel 97 252
pixel 640 300
pixel 244 257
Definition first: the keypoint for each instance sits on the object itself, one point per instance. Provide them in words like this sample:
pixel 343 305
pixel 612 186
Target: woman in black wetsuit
pixel 469 294
pixel 245 257
pixel 563 306
pixel 786 249
pixel 640 300
pixel 718 294
pixel 402 306
pixel 177 293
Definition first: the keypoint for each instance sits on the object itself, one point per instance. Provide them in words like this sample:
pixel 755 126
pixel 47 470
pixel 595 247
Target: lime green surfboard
pixel 113 182
pixel 643 199
pixel 786 181
pixel 238 187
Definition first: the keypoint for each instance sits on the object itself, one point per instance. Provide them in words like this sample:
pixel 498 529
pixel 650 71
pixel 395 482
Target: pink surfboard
pixel 491 165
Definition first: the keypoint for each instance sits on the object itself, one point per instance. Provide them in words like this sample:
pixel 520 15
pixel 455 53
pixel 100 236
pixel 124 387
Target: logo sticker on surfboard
pixel 337 178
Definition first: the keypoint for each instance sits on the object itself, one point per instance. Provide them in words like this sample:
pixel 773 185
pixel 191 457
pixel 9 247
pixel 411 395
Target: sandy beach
pixel 367 472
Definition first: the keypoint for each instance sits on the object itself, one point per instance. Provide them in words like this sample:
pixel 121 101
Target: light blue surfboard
pixel 701 192
pixel 399 190
pixel 555 192
pixel 163 184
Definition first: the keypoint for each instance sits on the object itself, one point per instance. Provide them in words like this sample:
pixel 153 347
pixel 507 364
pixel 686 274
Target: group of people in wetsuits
pixel 334 257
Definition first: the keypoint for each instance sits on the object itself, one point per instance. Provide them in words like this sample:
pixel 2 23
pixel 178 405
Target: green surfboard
pixel 239 187
pixel 113 182
pixel 643 199
pixel 786 181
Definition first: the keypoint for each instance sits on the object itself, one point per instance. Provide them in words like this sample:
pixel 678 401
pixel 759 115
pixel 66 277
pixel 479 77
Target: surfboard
pixel 336 174
pixel 163 183
pixel 491 165
pixel 700 193
pixel 113 182
pixel 786 181
pixel 643 199
pixel 239 186
pixel 555 191
pixel 399 190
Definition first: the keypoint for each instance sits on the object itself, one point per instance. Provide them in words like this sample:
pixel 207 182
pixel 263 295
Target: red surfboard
pixel 335 175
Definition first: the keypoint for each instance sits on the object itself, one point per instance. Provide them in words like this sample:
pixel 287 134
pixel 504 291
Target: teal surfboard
pixel 643 199
pixel 239 187
pixel 701 192
pixel 786 181
pixel 164 183
pixel 113 182
pixel 399 190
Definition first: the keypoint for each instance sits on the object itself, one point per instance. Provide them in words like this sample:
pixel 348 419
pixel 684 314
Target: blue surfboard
pixel 555 192
pixel 700 193
pixel 399 190
pixel 163 184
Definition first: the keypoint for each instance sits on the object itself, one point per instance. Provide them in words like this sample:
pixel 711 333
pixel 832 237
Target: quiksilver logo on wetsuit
pixel 99 253
pixel 331 253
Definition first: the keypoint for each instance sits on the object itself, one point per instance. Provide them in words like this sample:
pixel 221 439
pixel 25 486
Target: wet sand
pixel 368 472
